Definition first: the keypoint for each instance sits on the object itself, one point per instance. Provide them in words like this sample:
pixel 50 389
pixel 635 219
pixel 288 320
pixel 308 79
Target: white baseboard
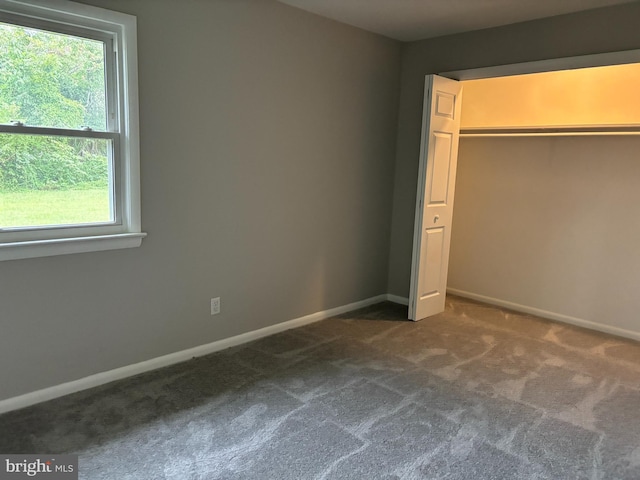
pixel 397 299
pixel 91 381
pixel 559 317
pixel 102 378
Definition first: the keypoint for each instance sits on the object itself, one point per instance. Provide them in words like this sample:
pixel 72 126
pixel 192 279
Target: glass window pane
pixel 51 180
pixel 51 80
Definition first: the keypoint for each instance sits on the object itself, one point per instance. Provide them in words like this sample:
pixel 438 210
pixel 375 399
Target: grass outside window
pixel 55 207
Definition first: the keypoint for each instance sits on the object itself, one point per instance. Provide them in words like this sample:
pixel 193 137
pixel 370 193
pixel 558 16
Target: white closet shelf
pixel 555 130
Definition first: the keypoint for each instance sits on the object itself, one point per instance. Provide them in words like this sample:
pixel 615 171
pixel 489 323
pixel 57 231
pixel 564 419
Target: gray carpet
pixel 474 393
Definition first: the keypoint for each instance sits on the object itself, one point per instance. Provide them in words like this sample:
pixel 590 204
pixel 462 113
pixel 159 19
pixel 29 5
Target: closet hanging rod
pixel 561 130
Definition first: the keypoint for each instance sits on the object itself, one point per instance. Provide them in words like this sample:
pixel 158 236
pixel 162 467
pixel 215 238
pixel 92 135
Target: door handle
pixel 436 218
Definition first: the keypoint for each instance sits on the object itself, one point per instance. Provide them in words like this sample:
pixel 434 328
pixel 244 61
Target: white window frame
pixel 119 32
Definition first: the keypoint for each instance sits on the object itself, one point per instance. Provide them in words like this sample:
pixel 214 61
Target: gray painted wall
pixel 267 158
pixel 550 223
pixel 596 31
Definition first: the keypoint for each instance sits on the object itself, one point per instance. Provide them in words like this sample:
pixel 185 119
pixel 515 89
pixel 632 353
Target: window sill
pixel 64 246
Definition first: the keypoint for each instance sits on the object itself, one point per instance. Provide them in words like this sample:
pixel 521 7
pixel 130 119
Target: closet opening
pixel 545 219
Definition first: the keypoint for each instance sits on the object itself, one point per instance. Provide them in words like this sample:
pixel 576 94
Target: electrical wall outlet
pixel 215 306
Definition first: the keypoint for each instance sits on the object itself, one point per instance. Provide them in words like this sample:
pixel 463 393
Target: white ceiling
pixel 410 20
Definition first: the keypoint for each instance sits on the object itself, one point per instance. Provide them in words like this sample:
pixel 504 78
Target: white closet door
pixel 434 204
